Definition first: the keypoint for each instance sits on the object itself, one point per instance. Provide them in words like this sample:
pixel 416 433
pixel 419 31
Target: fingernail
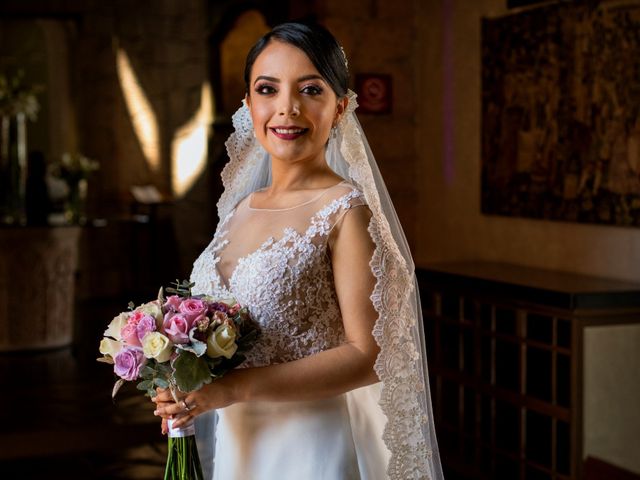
pixel 155 412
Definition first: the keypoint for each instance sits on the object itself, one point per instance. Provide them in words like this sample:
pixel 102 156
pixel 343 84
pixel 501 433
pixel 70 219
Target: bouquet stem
pixel 183 461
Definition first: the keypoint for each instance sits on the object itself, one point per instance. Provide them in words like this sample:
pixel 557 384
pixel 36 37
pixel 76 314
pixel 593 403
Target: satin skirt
pixel 309 440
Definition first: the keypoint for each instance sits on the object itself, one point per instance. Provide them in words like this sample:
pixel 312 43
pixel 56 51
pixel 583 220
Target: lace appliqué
pixel 288 286
pixel 398 365
pixel 201 274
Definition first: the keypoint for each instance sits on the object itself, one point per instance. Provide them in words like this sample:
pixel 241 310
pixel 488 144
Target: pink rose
pixel 129 335
pixel 146 324
pixel 129 332
pixel 173 303
pixel 128 363
pixel 192 308
pixel 177 327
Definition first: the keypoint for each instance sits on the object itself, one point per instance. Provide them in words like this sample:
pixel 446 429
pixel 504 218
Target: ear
pixel 340 109
pixel 247 100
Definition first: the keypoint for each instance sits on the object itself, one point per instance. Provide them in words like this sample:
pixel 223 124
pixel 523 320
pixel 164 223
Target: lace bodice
pixel 277 263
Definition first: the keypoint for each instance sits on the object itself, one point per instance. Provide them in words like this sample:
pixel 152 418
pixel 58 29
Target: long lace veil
pixel 394 417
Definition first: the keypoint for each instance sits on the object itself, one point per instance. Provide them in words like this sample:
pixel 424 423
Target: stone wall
pixel 161 47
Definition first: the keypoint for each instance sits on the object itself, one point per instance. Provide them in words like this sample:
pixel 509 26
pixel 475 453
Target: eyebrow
pixel 304 78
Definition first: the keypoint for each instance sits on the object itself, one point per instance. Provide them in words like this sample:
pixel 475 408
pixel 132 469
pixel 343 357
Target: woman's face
pixel 292 107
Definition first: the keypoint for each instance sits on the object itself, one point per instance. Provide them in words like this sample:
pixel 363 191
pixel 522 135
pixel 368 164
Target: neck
pixel 301 175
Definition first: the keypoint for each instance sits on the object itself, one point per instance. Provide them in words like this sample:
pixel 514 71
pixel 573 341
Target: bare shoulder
pixel 351 231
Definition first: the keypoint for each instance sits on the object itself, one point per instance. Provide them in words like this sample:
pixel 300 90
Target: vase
pixel 74 208
pixel 13 169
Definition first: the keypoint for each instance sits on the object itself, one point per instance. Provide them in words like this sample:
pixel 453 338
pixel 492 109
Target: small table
pixel 532 370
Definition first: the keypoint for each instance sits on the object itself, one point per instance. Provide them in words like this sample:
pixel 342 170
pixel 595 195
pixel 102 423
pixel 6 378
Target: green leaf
pixel 147 372
pixel 161 382
pixel 116 387
pixel 161 298
pixel 145 385
pixel 196 346
pixel 191 372
pixel 182 289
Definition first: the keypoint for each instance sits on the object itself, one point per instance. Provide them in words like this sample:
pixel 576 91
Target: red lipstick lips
pixel 288 132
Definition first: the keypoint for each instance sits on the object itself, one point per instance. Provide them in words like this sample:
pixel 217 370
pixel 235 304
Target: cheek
pixel 259 116
pixel 325 122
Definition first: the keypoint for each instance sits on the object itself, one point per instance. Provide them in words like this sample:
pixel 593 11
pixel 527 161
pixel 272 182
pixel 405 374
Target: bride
pixel 336 386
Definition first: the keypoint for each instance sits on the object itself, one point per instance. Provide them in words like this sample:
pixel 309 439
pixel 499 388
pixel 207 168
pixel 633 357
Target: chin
pixel 291 156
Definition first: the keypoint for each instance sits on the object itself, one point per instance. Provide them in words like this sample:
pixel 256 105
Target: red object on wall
pixel 374 92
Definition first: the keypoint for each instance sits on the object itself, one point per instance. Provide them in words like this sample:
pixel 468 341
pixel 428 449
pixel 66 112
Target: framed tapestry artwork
pixel 561 113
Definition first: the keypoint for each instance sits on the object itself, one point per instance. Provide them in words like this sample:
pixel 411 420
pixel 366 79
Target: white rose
pixel 109 347
pixel 222 342
pixel 156 345
pixel 114 328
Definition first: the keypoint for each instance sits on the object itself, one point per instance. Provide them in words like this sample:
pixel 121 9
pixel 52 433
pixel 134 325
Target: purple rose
pixel 145 325
pixel 173 303
pixel 192 308
pixel 128 363
pixel 176 326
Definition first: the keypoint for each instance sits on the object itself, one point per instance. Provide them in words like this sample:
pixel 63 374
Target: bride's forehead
pixel 283 57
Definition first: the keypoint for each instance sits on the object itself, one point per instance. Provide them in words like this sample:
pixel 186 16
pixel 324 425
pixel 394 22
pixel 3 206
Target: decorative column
pixel 37 268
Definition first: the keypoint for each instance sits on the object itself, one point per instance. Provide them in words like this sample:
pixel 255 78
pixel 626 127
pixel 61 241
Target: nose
pixel 289 106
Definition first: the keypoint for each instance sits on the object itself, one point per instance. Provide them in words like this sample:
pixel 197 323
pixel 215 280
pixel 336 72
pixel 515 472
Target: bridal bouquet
pixel 180 342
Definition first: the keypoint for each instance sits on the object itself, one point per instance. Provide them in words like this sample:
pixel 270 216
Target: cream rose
pixel 116 325
pixel 109 347
pixel 222 342
pixel 156 345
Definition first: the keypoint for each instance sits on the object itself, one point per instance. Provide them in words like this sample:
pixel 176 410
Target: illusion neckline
pixel 318 196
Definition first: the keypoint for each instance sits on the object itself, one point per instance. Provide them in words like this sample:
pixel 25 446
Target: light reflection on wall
pixel 142 116
pixel 189 146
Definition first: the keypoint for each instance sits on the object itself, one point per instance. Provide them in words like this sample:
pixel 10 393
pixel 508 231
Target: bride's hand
pixel 163 398
pixel 217 394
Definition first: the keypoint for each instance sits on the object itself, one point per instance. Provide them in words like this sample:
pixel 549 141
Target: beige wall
pixel 380 37
pixel 611 392
pixel 451 226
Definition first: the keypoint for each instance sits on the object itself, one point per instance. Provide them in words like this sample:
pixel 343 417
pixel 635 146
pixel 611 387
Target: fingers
pixel 185 418
pixel 164 426
pixel 163 395
pixel 172 410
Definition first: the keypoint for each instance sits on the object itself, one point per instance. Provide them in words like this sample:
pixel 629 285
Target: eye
pixel 311 90
pixel 264 89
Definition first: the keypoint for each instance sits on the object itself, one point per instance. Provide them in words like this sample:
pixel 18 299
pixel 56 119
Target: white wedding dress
pixel 277 263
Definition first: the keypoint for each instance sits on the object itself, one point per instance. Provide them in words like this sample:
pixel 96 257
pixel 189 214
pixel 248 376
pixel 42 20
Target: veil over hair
pixel 392 420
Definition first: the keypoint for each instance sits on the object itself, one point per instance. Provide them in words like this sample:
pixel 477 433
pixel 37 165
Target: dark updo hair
pixel 317 43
